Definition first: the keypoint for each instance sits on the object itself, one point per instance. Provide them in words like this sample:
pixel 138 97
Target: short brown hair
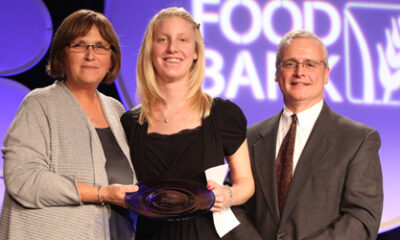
pixel 76 25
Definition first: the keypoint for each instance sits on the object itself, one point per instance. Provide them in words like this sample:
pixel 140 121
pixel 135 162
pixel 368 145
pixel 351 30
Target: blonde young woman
pixel 178 130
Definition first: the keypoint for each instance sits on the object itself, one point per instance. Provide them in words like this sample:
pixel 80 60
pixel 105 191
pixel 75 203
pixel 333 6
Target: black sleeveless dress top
pixel 186 154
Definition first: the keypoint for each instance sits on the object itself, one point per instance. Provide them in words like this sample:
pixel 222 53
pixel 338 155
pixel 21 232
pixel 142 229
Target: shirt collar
pixel 306 118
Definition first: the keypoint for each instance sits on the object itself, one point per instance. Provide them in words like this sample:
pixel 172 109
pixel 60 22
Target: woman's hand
pixel 115 193
pixel 223 198
pixel 242 178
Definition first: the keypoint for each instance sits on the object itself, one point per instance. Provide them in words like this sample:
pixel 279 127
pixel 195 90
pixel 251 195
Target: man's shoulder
pixel 348 126
pixel 265 123
pixel 259 128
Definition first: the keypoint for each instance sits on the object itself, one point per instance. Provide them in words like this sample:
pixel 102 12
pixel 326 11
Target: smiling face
pixel 173 49
pixel 84 69
pixel 302 89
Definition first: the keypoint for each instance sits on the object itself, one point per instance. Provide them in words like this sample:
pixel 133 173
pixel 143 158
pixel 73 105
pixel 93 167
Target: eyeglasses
pixel 98 48
pixel 308 65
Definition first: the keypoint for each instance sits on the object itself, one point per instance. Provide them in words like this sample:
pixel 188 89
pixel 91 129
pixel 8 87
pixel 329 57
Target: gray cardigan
pixel 50 146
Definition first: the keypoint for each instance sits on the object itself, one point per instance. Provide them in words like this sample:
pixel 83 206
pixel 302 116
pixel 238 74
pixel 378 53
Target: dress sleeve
pixel 129 121
pixel 126 122
pixel 232 125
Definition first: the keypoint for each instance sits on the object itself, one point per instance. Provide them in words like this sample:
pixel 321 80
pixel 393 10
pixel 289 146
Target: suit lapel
pixel 264 158
pixel 313 153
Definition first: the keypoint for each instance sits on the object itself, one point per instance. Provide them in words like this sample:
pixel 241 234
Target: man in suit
pixel 330 185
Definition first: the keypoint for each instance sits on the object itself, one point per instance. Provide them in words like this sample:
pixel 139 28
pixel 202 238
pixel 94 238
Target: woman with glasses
pixel 179 131
pixel 66 160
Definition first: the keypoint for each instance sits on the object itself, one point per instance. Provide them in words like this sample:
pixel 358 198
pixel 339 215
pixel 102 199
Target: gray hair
pixel 300 33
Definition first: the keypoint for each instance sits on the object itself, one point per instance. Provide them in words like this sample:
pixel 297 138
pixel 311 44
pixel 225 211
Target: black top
pixel 182 159
pixel 186 154
pixel 117 166
pixel 118 172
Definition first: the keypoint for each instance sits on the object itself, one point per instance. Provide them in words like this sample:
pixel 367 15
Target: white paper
pixel 224 221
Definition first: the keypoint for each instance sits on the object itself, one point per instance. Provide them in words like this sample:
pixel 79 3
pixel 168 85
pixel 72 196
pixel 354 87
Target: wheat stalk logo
pixel 389 61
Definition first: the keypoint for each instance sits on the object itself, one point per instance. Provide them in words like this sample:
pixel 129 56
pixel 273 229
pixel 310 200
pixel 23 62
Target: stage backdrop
pixel 241 37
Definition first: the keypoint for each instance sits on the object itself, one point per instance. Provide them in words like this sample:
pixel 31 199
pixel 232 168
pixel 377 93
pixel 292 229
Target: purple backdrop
pixel 363 40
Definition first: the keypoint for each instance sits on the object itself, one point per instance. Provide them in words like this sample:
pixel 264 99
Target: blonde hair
pixel 147 88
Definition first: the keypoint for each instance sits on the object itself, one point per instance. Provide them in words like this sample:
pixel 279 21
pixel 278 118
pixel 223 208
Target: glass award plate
pixel 170 199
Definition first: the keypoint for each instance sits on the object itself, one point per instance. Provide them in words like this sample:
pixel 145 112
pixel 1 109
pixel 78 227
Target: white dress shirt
pixel 305 124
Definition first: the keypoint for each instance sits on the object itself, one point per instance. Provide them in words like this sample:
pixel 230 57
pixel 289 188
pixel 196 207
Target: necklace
pixel 174 113
pixel 166 120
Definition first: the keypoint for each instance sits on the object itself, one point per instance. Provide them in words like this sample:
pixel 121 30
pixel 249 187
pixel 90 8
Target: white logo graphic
pixel 389 62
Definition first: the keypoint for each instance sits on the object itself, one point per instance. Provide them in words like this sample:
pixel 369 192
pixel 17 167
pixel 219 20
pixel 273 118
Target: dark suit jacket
pixel 336 190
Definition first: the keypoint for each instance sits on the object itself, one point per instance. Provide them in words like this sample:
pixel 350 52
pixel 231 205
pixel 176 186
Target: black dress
pixel 186 154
